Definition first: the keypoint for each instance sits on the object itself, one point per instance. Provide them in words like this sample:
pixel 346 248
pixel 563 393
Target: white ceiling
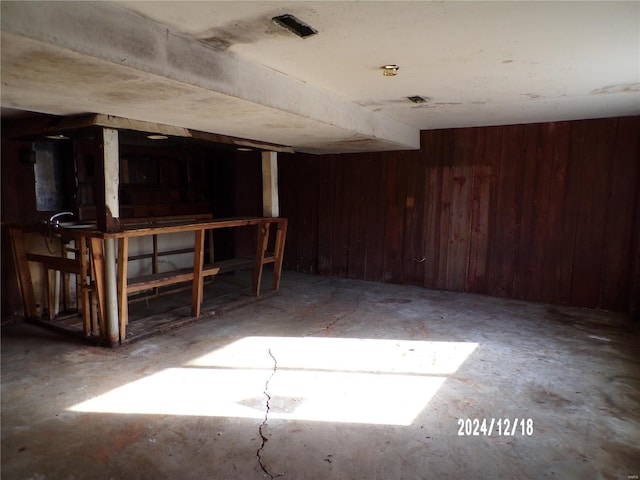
pixel 225 67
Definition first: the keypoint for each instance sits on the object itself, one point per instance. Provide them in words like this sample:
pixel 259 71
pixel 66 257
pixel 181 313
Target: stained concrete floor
pixel 332 379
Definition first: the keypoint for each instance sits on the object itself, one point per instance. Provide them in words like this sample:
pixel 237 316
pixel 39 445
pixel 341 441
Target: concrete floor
pixel 362 381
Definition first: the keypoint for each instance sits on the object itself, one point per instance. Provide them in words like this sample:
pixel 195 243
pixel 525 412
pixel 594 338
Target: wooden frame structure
pixel 91 269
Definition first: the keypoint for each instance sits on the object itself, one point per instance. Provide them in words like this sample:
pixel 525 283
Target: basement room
pixel 320 240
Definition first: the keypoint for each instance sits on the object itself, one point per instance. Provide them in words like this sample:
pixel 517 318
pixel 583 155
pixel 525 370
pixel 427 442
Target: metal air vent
pixel 295 25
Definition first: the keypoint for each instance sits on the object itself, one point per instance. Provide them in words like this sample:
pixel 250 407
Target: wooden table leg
pixel 82 289
pixel 263 240
pixel 22 270
pixel 50 287
pixel 198 259
pixel 278 253
pixel 97 263
pixel 123 306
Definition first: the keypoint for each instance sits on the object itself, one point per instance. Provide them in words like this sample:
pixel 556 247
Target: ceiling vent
pixel 295 25
pixel 418 99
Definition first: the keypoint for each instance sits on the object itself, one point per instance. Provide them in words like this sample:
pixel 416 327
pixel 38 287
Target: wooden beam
pixel 39 126
pixel 270 203
pixel 111 165
pixel 56 263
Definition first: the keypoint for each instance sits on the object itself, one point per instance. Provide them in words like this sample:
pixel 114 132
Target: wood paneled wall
pixel 543 212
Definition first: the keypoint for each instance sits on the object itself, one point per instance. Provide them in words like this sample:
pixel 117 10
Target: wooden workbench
pixel 126 286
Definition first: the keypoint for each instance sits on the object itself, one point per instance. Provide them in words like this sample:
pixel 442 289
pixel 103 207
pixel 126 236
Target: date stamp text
pixel 501 427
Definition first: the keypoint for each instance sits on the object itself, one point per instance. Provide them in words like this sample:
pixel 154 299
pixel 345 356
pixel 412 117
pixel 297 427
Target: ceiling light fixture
pixel 244 149
pixel 390 70
pixel 157 137
pixel 295 25
pixel 57 137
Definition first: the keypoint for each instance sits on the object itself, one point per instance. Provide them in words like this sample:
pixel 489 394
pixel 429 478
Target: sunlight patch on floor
pixel 318 379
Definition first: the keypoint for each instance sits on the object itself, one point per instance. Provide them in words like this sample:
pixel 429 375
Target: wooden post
pixel 278 253
pixel 111 292
pixel 270 203
pixel 107 181
pixel 198 259
pixel 97 267
pixel 263 240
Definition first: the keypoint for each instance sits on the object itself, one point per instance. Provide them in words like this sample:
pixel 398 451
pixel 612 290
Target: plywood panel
pixel 375 221
pixel 555 287
pixel 414 227
pixel 599 138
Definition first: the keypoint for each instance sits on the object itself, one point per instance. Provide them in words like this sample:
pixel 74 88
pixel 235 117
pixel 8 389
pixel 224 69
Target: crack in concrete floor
pixel 265 439
pixel 338 318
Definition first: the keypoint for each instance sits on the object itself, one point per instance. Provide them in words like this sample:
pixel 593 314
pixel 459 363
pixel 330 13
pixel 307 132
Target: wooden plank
pixel 432 145
pixel 152 281
pixel 198 260
pixel 82 287
pixel 444 224
pixel 479 223
pixel 413 222
pixel 262 241
pixel 22 269
pixel 340 214
pixel 281 235
pixel 96 249
pixel 50 291
pixel 153 256
pixel 270 202
pixel 618 274
pixel 288 172
pixel 325 216
pixel 535 252
pixel 459 233
pixel 229 265
pixel 395 193
pixel 56 263
pixel 316 172
pixel 178 227
pixel 357 218
pixel 123 306
pixel 374 198
pixel 304 215
pixel 599 142
pixel 527 263
pixel 508 213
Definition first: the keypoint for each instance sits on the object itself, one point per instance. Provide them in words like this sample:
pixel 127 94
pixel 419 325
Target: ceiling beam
pixel 101 57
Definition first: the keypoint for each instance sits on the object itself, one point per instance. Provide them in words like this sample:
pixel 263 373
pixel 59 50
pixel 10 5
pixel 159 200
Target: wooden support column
pixel 107 182
pixel 270 203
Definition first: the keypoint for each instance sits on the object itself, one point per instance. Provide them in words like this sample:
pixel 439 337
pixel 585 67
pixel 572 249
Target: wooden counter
pixel 126 286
